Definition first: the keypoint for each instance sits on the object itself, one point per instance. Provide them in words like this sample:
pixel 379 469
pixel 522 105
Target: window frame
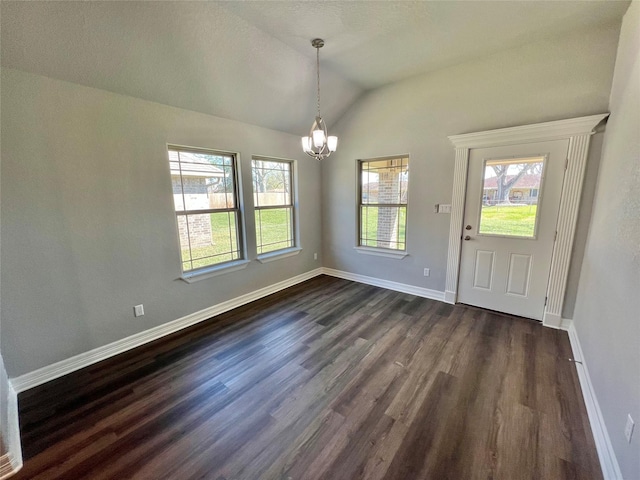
pixel 210 270
pixel 375 250
pixel 294 248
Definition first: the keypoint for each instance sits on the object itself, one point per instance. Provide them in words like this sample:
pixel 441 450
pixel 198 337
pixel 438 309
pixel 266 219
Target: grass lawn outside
pixel 369 227
pixel 515 220
pixel 273 228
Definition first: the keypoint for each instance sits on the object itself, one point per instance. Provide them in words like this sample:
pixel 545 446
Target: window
pixel 206 202
pixel 383 202
pixel 514 185
pixel 273 200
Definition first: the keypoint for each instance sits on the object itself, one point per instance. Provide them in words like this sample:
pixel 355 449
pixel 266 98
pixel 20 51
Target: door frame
pixel 578 131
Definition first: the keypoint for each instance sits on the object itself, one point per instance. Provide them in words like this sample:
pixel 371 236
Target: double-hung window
pixel 382 202
pixel 205 195
pixel 274 204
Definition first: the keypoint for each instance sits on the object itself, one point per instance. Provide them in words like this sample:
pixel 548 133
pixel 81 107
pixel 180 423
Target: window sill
pixel 382 252
pixel 277 255
pixel 214 271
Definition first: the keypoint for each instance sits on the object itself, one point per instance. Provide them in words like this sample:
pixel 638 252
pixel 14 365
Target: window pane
pixel 274 229
pixel 271 183
pixel 272 187
pixel 208 239
pixel 383 189
pixel 201 181
pixel 176 184
pixel 510 197
pixel 205 180
pixel 383 227
pixel 384 181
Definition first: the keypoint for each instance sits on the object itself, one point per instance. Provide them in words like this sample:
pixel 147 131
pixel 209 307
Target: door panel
pixel 484 269
pixel 519 269
pixel 511 211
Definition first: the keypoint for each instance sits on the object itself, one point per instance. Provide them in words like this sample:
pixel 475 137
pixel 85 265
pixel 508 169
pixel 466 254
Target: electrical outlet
pixel 427 272
pixel 628 429
pixel 138 310
pixel 315 256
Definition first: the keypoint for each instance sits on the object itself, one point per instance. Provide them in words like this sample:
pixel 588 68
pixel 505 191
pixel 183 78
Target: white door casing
pixel 577 131
pixel 509 272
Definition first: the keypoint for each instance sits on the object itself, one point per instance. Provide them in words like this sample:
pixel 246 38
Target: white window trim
pixel 382 252
pixel 378 251
pixel 278 254
pixel 214 271
pixel 295 248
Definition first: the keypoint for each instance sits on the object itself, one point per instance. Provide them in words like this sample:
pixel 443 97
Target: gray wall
pixel 549 80
pixel 607 313
pixel 88 226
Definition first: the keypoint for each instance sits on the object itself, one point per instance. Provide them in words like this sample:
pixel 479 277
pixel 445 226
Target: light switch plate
pixel 628 429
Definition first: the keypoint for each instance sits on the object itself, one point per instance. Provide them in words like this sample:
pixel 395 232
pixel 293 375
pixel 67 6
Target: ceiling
pixel 252 60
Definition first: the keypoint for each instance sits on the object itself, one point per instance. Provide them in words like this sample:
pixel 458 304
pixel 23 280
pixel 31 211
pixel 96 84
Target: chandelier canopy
pixel 319 144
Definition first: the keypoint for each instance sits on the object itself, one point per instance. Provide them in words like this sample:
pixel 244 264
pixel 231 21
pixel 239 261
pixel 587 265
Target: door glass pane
pixel 510 197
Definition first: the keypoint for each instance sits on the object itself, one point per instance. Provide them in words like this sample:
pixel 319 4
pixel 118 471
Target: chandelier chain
pixel 318 75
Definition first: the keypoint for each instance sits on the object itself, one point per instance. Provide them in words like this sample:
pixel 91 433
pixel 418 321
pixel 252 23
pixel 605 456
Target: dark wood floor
pixel 328 379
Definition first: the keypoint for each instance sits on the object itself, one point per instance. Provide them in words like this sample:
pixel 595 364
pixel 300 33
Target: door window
pixel 510 197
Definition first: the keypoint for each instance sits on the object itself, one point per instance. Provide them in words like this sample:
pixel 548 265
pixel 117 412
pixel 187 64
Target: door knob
pixel 468 227
pixel 467 237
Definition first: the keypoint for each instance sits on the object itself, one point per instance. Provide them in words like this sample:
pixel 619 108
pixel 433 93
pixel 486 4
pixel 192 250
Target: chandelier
pixel 318 144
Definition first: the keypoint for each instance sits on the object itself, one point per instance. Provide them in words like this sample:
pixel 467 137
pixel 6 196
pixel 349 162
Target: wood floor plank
pixel 329 379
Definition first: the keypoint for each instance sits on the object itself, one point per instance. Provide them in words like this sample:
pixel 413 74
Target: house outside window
pixel 205 195
pixel 273 196
pixel 382 205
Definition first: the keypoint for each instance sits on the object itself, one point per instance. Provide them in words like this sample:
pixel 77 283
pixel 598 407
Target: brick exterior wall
pixel 388 192
pixel 195 191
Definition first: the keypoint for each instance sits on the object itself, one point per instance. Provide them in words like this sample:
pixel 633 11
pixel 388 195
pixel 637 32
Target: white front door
pixel 511 211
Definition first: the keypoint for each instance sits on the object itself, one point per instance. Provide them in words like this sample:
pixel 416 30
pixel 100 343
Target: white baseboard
pixel 566 324
pixel 552 320
pixel 378 282
pixel 606 455
pixel 450 297
pixel 11 462
pixel 58 369
pixel 559 324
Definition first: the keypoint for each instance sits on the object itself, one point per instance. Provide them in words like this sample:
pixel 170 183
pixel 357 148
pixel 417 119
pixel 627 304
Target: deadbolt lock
pixel 468 227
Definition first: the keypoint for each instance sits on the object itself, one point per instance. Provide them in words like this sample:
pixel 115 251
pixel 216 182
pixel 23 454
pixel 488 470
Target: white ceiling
pixel 252 60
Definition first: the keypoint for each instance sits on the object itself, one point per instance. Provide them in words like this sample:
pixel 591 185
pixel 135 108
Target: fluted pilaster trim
pixel 567 219
pixel 457 217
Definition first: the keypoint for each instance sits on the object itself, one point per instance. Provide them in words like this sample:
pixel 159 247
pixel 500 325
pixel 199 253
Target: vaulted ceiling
pixel 252 60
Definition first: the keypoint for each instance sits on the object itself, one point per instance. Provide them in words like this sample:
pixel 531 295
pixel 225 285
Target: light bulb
pixel 306 144
pixel 332 143
pixel 318 138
